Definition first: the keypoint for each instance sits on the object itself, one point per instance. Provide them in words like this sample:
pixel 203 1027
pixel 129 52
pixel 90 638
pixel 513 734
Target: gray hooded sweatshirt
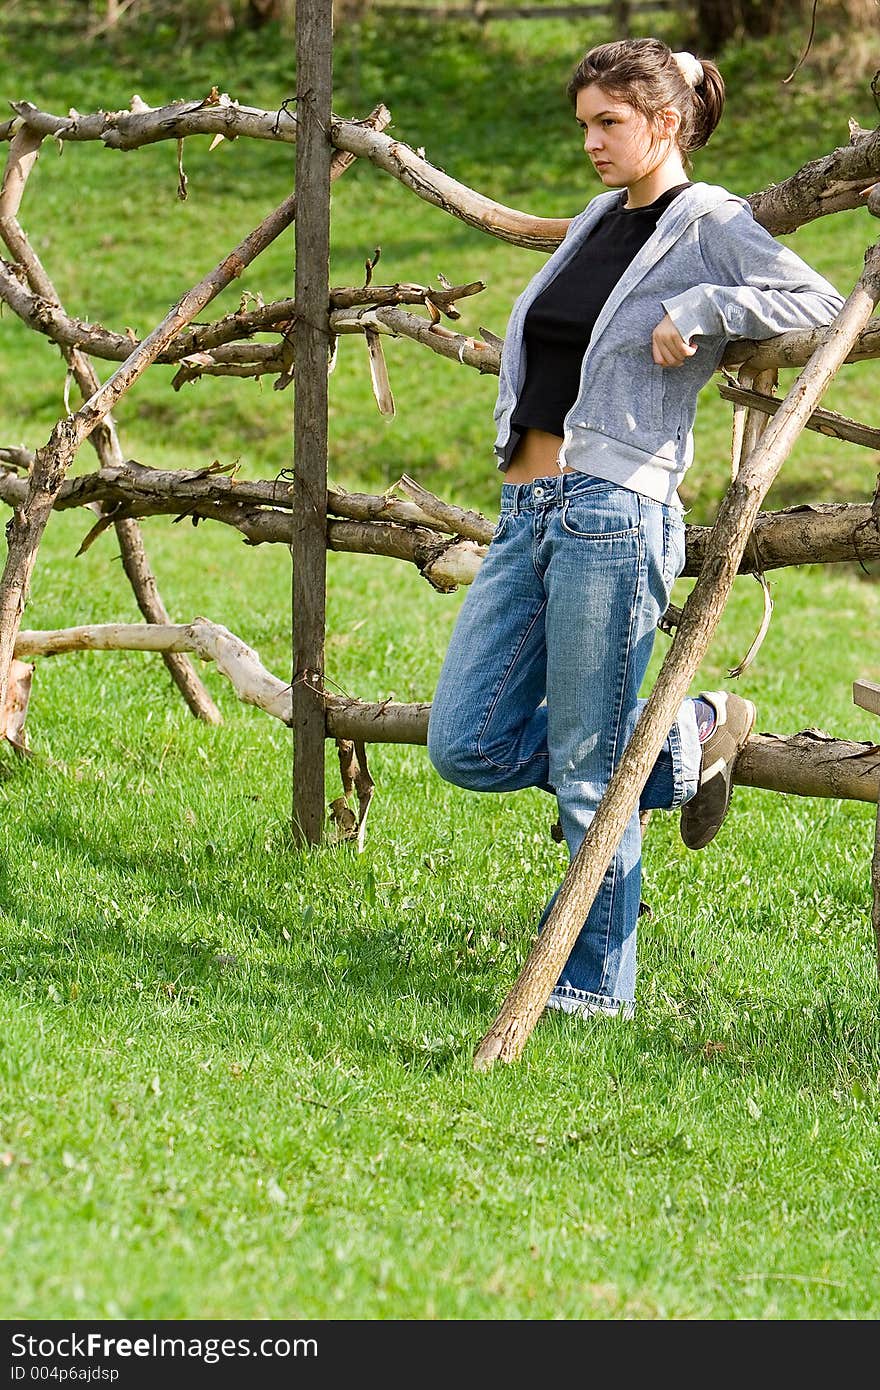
pixel 719 276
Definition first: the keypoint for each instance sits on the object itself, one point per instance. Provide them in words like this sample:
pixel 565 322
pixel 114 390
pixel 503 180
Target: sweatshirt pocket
pixel 625 400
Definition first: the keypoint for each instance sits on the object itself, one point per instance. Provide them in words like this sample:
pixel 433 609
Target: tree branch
pixel 822 421
pixel 820 533
pixel 811 763
pixel 830 184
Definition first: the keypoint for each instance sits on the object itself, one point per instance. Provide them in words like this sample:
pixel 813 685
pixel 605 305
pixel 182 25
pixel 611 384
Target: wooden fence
pixel 481 12
pixel 445 542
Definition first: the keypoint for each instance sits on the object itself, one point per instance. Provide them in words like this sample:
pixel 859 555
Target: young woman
pixel 604 354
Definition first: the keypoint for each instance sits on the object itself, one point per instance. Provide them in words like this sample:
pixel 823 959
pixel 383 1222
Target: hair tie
pixel 690 68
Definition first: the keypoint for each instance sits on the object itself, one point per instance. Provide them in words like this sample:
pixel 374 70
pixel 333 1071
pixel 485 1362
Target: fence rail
pixel 481 12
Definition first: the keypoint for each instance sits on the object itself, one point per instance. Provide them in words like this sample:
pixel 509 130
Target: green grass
pixel 237 1078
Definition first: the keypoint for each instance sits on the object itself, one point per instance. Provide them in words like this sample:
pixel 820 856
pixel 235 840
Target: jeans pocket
pixel 605 512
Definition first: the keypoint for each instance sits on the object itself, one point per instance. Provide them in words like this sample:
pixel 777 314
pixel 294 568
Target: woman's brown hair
pixel 646 75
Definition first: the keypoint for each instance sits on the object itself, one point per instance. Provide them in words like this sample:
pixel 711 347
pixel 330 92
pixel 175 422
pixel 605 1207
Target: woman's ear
pixel 670 122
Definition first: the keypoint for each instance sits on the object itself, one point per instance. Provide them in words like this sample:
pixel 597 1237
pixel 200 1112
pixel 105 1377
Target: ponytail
pixel 708 104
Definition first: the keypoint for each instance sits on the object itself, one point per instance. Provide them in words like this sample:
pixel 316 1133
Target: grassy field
pixel 236 1078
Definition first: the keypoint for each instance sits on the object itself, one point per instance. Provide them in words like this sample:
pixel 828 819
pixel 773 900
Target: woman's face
pixel 621 143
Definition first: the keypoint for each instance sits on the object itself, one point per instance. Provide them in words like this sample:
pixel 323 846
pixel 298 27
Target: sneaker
pixel 590 1006
pixel 703 815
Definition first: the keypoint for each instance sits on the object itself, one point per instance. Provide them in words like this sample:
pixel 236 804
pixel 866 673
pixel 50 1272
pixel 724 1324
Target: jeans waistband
pixel 548 492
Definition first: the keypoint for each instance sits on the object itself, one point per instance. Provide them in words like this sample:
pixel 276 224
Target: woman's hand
pixel 668 346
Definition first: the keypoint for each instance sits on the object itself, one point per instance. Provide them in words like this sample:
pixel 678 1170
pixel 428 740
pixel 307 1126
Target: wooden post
pixel 314 76
pixel 620 11
pixel 866 694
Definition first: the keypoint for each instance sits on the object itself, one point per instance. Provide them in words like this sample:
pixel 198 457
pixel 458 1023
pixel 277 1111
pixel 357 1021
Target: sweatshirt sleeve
pixel 759 287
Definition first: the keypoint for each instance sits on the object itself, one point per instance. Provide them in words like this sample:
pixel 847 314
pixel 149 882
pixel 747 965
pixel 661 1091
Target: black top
pixel 561 319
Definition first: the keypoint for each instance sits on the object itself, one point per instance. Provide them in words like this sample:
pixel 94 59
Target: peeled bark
pixel 209 641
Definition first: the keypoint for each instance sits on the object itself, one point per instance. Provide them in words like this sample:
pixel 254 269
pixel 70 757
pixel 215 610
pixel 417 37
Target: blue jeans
pixel 540 688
